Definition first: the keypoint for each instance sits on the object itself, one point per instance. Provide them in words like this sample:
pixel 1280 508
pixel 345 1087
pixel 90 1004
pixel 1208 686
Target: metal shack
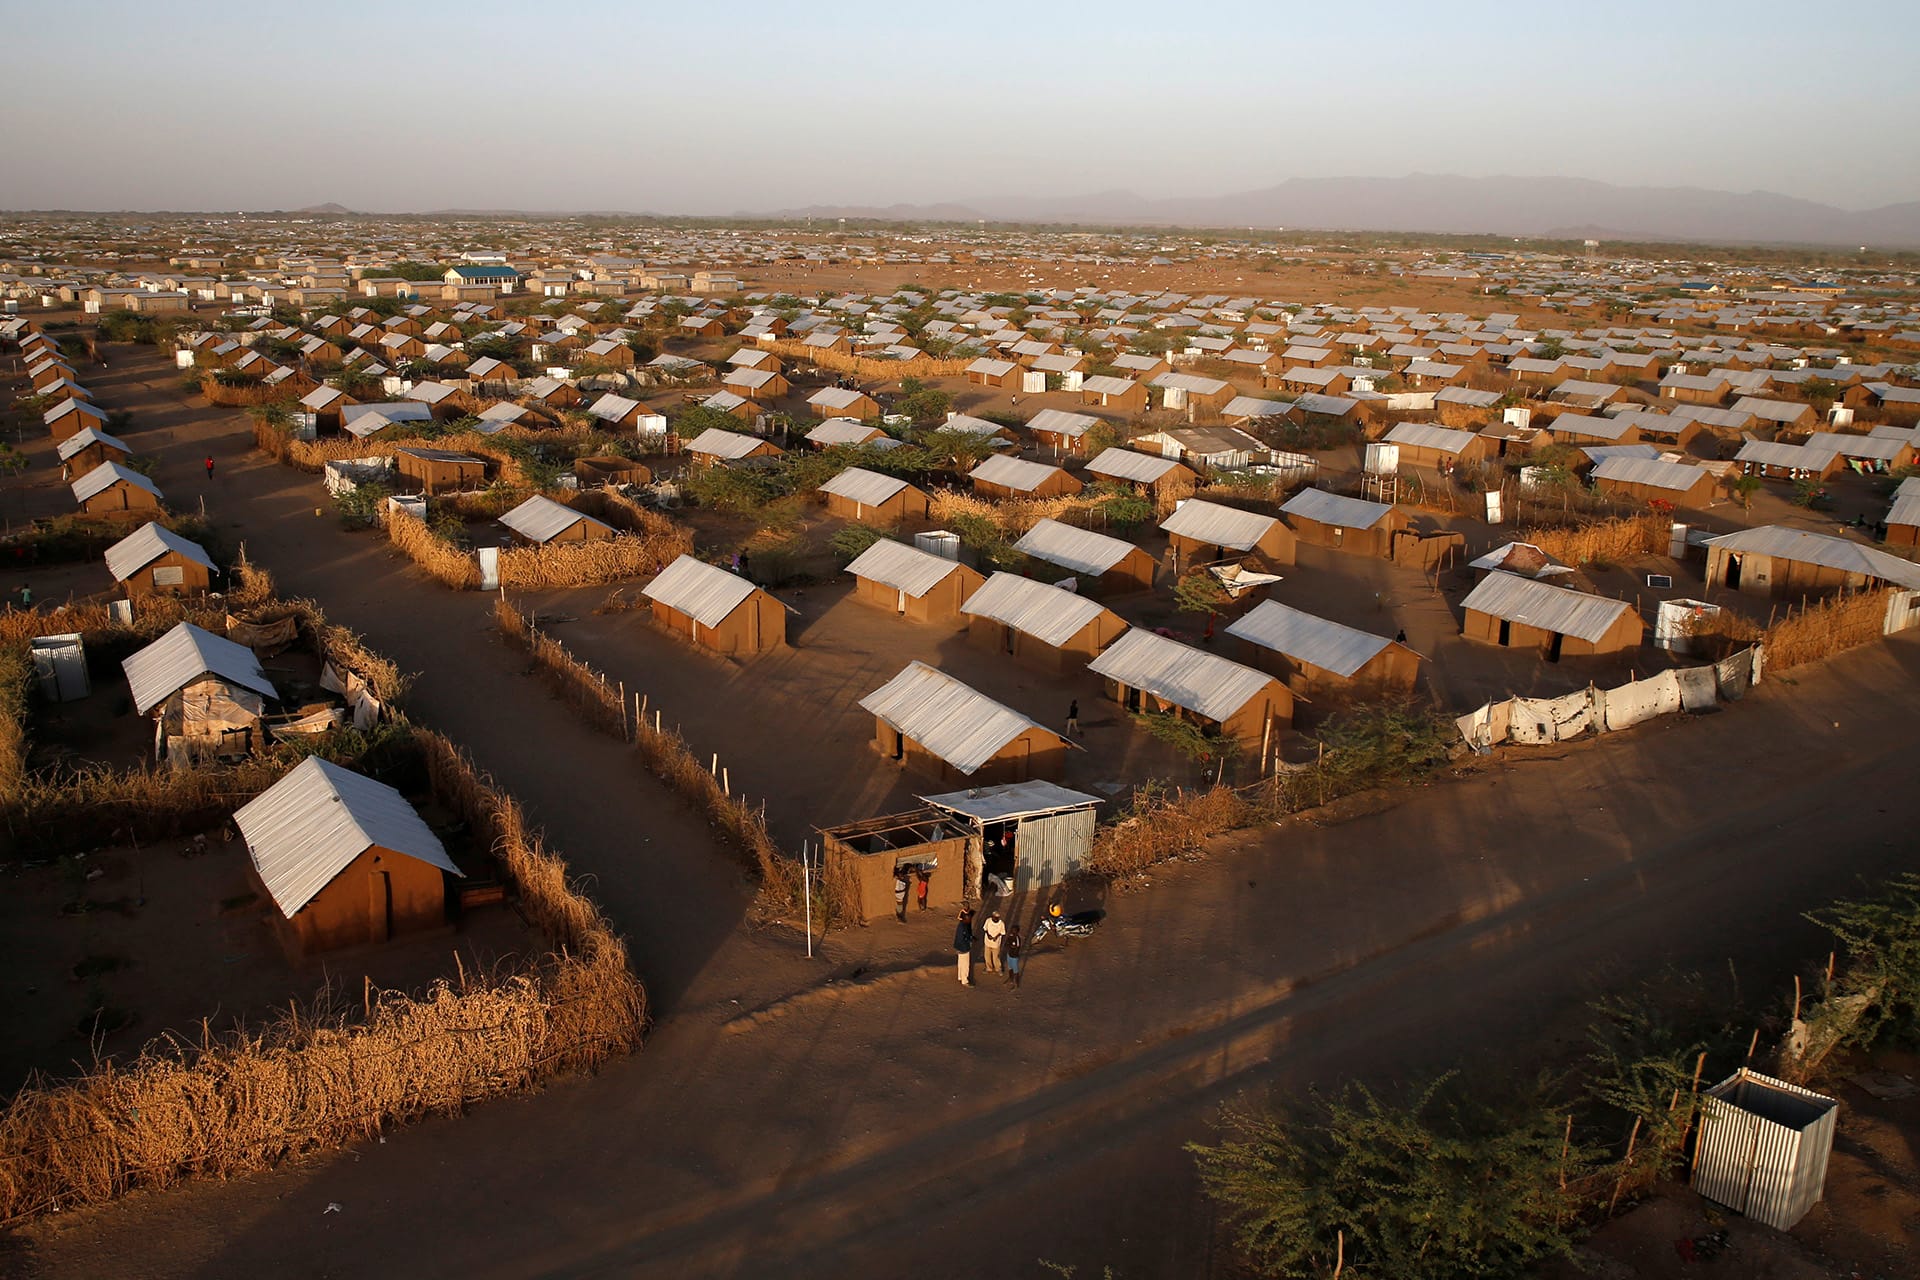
pixel 1027 835
pixel 1035 834
pixel 1763 1147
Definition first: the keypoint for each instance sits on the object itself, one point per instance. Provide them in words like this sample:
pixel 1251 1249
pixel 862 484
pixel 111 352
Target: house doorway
pixel 1553 649
pixel 1506 633
pixel 1733 573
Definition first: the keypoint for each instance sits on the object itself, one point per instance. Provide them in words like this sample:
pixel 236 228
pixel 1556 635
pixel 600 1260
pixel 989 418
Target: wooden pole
pixel 1753 1044
pixel 713 767
pixel 726 783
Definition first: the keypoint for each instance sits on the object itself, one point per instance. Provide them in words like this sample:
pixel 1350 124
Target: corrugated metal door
pixel 1050 849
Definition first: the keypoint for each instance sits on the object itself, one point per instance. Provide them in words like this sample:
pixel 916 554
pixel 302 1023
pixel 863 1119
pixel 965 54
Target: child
pixel 1010 954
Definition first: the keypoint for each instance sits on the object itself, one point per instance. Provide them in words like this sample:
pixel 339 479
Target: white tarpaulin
pixel 1642 700
pixel 1538 721
pixel 1543 720
pixel 1698 688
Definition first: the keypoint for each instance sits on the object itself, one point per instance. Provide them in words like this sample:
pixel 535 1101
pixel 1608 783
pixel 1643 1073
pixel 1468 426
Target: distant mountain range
pixel 1552 208
pixel 1558 208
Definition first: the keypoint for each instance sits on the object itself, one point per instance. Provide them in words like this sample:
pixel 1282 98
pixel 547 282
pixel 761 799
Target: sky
pixel 709 108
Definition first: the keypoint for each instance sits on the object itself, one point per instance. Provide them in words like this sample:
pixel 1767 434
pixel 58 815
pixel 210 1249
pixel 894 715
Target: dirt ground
pixel 174 933
pixel 863 1114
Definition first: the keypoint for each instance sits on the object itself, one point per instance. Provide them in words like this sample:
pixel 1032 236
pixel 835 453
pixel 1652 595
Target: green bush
pixel 1442 1186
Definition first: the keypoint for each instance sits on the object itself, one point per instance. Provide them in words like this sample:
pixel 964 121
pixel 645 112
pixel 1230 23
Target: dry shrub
pixel 16 675
pixel 1613 541
pixel 1163 827
pixel 1014 516
pixel 239 397
pixel 446 562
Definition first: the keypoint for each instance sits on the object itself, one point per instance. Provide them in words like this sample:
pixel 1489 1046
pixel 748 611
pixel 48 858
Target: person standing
pixel 921 881
pixel 1073 717
pixel 1012 948
pixel 209 466
pixel 900 896
pixel 993 933
pixel 963 946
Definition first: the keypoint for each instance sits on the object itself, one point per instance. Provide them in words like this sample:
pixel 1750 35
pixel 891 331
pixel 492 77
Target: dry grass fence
pixel 1014 516
pixel 335 1072
pixel 447 563
pixel 647 543
pixel 243 395
pixel 1813 632
pixel 868 369
pixel 1614 541
pixel 665 753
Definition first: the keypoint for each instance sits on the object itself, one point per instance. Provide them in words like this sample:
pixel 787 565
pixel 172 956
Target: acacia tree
pixel 1439 1187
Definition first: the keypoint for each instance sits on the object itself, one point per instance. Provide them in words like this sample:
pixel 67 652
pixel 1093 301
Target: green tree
pixel 1744 487
pixel 1439 1187
pixel 411 270
pixel 850 541
pixel 1880 940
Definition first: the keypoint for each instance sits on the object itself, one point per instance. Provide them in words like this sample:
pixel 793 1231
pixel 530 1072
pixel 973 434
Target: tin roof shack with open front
pixel 1763 1147
pixel 873 498
pixel 1201 532
pixel 1101 565
pixel 1046 627
pixel 716 610
pixel 153 559
pixel 207 695
pixel 912 583
pixel 929 721
pixel 1774 560
pixel 1035 834
pixel 1145 672
pixel 1515 612
pixel 1312 653
pixel 346 859
pixel 1347 524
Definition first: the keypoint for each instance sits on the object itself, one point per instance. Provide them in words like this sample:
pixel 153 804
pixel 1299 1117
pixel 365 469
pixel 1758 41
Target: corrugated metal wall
pixel 1052 848
pixel 1772 1172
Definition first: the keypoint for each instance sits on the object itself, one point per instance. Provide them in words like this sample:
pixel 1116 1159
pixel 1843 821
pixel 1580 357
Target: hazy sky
pixel 709 107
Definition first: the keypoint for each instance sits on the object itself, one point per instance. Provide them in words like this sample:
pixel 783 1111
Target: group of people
pixel 1000 944
pixel 901 883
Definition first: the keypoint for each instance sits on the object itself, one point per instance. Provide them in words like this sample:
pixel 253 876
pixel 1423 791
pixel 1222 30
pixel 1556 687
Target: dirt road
pixel 896 1123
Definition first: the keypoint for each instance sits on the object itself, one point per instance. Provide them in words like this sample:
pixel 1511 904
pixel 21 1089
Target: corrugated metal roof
pixel 1559 609
pixel 1336 509
pixel 958 724
pixel 87 437
pixel 1821 549
pixel 1905 509
pixel 1254 407
pixel 1678 476
pixel 309 827
pixel 1429 435
pixel 1080 550
pixel 1203 683
pixel 704 592
pixel 540 518
pixel 727 445
pixel 1011 800
pixel 842 431
pixel 1013 473
pixel 1774 453
pixel 182 656
pixel 1580 424
pixel 1062 423
pixel 904 568
pixel 868 488
pixel 612 408
pixel 1319 642
pixel 1218 526
pixel 104 476
pixel 1051 615
pixel 145 545
pixel 834 397
pixel 1125 464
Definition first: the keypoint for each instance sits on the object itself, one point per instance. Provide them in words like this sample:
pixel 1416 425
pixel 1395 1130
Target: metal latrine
pixel 1763 1147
